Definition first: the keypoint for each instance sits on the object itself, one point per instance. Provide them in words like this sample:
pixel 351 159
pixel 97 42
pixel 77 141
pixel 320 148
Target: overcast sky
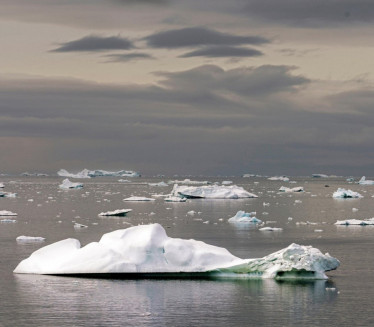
pixel 221 87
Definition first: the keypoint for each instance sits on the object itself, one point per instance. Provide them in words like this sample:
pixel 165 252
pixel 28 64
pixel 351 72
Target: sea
pixel 44 210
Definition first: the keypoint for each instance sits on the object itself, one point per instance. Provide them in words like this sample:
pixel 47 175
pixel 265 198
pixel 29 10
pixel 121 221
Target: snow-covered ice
pixel 85 173
pixel 66 184
pixel 342 193
pixel 245 217
pixel 7 213
pixel 30 239
pixel 364 181
pixel 211 192
pixel 118 212
pixel 138 198
pixel 279 178
pixel 291 190
pixel 147 249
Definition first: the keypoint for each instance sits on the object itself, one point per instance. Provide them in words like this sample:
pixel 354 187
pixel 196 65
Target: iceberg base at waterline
pixel 147 250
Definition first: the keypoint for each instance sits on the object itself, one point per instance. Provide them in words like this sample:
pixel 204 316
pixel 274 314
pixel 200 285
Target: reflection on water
pixel 84 301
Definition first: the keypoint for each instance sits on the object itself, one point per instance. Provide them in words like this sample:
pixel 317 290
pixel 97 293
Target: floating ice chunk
pixel 350 179
pixel 364 181
pixel 319 176
pixel 191 213
pixel 138 198
pixel 7 213
pixel 66 184
pixel 290 190
pixel 266 204
pixel 147 249
pixel 175 199
pixel 161 184
pixel 124 181
pixel 29 239
pixel 212 192
pixel 342 193
pixel 226 182
pixel 189 182
pixel 8 221
pixel 245 217
pixel 270 229
pixel 118 212
pixel 2 185
pixel 78 226
pixel 298 201
pixel 279 178
pixel 354 209
pixel 85 173
pixel 7 195
pixel 348 222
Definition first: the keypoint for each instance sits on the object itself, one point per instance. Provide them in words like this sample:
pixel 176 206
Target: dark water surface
pixel 344 300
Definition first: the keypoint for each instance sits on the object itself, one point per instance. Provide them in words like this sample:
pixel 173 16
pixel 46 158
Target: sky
pixel 187 87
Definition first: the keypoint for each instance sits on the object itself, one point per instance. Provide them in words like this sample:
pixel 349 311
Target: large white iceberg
pixel 245 217
pixel 85 173
pixel 66 184
pixel 211 192
pixel 342 193
pixel 364 181
pixel 291 190
pixel 146 249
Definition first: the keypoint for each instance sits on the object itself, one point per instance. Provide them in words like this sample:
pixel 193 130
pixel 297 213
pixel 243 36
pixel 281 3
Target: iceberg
pixel 189 182
pixel 138 198
pixel 245 217
pixel 211 192
pixel 147 250
pixel 7 195
pixel 364 181
pixel 175 199
pixel 29 239
pixel 2 185
pixel 356 222
pixel 7 213
pixel 66 184
pixel 319 176
pixel 118 213
pixel 8 221
pixel 161 184
pixel 342 193
pixel 279 178
pixel 290 190
pixel 85 173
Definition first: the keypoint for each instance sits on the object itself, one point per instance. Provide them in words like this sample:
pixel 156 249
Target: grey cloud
pixel 93 43
pixel 223 51
pixel 127 57
pixel 198 36
pixel 205 120
pixel 316 13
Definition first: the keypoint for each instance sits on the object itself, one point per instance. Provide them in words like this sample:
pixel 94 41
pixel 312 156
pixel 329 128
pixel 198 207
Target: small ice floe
pixel 66 185
pixel 279 178
pixel 320 175
pixel 364 181
pixel 2 185
pixel 291 190
pixel 270 229
pixel 189 182
pixel 342 193
pixel 330 289
pixel 7 195
pixel 226 182
pixel 298 201
pixel 78 226
pixel 318 230
pixel 138 198
pixel 7 220
pixel 118 213
pixel 191 213
pixel 211 192
pixel 245 217
pixel 354 209
pixel 30 239
pixel 206 222
pixel 85 173
pixel 175 199
pixel 124 181
pixel 7 213
pixel 266 204
pixel 356 222
pixel 161 184
pixel 350 179
pixel 289 218
pixel 148 249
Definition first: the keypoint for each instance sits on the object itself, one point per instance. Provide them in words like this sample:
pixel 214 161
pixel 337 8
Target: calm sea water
pixel 44 210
